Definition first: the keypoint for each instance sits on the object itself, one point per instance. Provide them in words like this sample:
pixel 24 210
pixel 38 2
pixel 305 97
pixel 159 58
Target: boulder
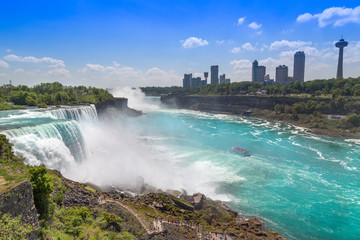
pixel 199 199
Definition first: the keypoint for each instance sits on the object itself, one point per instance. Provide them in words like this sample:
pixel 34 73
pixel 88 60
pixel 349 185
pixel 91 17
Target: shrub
pixel 42 188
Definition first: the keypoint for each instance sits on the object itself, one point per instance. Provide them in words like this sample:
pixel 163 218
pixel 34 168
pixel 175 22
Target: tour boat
pixel 240 151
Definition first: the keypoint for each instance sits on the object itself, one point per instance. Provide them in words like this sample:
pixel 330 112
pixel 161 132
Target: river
pixel 302 185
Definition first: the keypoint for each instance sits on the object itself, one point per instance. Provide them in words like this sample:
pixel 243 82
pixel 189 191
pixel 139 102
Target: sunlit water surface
pixel 302 185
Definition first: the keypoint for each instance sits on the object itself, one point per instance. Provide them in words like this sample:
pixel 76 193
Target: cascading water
pixel 49 136
pixel 303 185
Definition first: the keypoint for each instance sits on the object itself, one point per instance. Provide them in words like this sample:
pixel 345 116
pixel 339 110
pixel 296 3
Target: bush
pixel 110 220
pixel 42 188
pixel 13 228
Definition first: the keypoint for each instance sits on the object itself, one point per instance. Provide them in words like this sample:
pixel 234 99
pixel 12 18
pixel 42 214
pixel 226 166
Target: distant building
pixel 258 72
pixel 282 73
pixel 187 80
pixel 214 74
pixel 299 66
pixel 206 75
pixel 223 79
pixel 196 82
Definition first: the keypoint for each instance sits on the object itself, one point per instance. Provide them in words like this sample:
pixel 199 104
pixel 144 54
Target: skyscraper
pixel 282 73
pixel 187 80
pixel 214 74
pixel 299 66
pixel 340 44
pixel 223 79
pixel 258 72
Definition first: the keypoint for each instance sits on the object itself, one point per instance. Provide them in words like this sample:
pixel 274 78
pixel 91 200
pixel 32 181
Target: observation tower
pixel 340 44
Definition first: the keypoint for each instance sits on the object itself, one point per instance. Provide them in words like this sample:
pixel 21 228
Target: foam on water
pixel 303 185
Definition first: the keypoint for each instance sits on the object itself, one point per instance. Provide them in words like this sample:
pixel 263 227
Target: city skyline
pixel 150 43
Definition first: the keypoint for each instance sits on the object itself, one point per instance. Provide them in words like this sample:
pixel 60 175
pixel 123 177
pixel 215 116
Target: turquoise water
pixel 302 185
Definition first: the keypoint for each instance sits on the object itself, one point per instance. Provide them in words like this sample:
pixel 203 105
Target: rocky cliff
pixel 18 201
pixel 116 104
pixel 232 104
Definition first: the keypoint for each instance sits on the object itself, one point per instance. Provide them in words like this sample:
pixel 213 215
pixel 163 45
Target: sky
pixel 115 43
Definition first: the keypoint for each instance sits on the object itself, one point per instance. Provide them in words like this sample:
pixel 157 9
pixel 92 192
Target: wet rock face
pixel 199 199
pixel 20 201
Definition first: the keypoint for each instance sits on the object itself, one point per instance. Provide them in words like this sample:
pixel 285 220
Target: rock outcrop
pixel 116 104
pixel 199 199
pixel 19 201
pixel 233 104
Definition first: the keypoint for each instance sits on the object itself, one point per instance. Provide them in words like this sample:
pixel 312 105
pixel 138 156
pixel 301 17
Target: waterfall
pixel 52 137
pixel 76 113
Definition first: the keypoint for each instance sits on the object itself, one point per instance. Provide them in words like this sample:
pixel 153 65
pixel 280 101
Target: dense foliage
pixel 83 223
pixel 51 94
pixel 13 228
pixel 42 188
pixel 331 87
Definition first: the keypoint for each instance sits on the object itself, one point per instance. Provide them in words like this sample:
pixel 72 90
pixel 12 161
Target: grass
pixel 7 106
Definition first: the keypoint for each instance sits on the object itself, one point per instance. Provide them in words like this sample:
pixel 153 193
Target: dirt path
pixel 158 224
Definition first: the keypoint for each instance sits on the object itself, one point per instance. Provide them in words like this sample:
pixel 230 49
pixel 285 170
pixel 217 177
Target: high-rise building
pixel 340 44
pixel 281 73
pixel 195 82
pixel 299 66
pixel 258 72
pixel 214 74
pixel 187 80
pixel 223 79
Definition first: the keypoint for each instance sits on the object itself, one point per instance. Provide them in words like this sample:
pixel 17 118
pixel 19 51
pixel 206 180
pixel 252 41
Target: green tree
pixel 42 188
pixel 18 97
pixel 31 99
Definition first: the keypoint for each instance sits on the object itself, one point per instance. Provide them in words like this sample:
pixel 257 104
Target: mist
pixel 121 149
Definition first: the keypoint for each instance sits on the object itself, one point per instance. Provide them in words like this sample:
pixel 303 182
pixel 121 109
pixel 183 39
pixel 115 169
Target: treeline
pixel 51 94
pixel 331 87
pixel 312 112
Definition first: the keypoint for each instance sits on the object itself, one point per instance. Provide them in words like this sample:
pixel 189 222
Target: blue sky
pixel 153 43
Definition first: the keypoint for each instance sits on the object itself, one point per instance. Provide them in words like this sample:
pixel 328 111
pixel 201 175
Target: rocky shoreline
pixel 249 106
pixel 79 211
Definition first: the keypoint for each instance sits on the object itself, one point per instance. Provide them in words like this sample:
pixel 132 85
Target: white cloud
pixel 219 42
pixel 31 59
pixel 19 70
pixel 241 64
pixel 248 47
pixel 242 70
pixel 59 73
pixel 4 64
pixel 285 44
pixel 193 42
pixel 304 17
pixel 352 53
pixel 120 75
pixel 235 50
pixel 93 67
pixel 309 52
pixel 254 25
pixel 259 32
pixel 241 20
pixel 8 50
pixel 336 16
